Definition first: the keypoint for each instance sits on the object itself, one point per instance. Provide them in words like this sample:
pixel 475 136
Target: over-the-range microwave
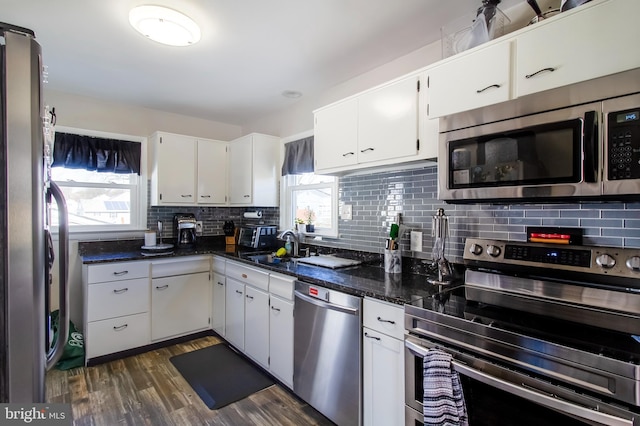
pixel 575 143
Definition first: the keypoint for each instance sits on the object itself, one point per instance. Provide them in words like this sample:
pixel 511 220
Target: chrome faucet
pixel 296 242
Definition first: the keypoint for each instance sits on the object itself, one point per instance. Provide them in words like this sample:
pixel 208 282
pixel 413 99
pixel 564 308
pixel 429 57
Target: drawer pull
pixel 238 291
pixel 186 195
pixel 162 287
pixel 205 196
pixel 120 327
pixel 371 337
pixel 550 69
pixel 348 153
pixel 367 149
pixel 249 297
pixel 246 196
pixel 384 320
pixel 497 86
pixel 120 291
pixel 219 283
pixel 245 276
pixel 275 309
pixel 118 274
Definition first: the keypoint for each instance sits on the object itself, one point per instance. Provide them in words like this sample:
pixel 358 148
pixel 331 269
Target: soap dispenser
pixel 288 245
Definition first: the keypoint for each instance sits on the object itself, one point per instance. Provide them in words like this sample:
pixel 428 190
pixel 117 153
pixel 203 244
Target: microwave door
pixel 621 171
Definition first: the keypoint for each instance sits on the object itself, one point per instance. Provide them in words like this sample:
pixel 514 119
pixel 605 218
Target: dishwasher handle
pixel 326 305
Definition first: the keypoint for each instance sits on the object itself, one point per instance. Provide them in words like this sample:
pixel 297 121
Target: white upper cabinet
pixel 593 42
pixel 187 171
pixel 471 81
pixel 254 171
pixel 336 135
pixel 375 128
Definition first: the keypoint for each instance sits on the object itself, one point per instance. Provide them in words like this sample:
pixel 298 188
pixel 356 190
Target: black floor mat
pixel 219 375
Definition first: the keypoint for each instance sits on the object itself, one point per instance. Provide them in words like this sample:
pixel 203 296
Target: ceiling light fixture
pixel 291 94
pixel 164 25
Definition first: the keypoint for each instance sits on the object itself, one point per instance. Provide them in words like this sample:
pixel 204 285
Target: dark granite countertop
pixel 367 279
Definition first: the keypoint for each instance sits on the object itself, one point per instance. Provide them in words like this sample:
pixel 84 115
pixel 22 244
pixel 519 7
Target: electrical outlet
pixel 416 241
pixel 346 212
pixel 199 228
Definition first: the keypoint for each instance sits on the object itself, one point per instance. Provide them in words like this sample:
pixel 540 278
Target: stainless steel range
pixel 539 333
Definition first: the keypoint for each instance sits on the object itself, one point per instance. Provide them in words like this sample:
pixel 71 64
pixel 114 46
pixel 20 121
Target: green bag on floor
pixel 73 355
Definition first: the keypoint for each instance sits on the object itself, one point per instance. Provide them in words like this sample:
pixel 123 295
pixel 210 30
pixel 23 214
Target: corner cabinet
pixel 377 127
pixel 187 171
pixel 254 171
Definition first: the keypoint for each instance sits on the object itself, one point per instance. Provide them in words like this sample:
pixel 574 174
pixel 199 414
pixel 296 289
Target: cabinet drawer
pixel 219 265
pixel 117 334
pixel 117 271
pixel 384 317
pixel 281 285
pixel 184 266
pixel 116 299
pixel 247 275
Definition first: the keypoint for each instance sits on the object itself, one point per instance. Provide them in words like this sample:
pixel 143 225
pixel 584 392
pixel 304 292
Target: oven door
pixel 495 395
pixel 543 156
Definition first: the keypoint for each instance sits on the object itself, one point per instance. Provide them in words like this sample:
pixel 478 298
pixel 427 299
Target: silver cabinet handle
pixel 186 195
pixel 120 291
pixel 205 196
pixel 497 86
pixel 162 287
pixel 238 291
pixel 249 297
pixel 275 309
pixel 371 337
pixel 549 69
pixel 246 196
pixel 367 149
pixel 120 327
pixel 384 320
pixel 219 283
pixel 348 153
pixel 118 274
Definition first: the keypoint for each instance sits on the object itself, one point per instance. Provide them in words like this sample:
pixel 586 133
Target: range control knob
pixel 605 261
pixel 475 249
pixel 633 263
pixel 494 251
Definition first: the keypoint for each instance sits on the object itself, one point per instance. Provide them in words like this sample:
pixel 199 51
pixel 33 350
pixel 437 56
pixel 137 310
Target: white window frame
pixel 287 217
pixel 138 189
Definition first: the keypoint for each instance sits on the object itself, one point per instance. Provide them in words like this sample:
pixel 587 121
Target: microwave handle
pixel 590 143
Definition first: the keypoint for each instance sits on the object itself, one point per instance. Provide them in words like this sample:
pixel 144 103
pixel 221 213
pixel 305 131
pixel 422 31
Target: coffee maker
pixel 185 226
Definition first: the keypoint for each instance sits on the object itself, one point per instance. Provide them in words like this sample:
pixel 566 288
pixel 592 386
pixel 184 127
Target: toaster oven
pixel 258 236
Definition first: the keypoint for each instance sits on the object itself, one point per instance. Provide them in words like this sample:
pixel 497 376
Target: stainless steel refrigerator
pixel 27 251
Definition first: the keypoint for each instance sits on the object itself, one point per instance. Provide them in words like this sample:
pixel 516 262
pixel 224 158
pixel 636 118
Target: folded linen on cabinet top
pixel 443 398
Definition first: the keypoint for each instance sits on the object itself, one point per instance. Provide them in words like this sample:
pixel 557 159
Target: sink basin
pixel 266 259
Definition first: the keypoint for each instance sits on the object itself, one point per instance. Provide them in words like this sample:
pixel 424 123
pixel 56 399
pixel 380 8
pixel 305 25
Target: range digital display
pixel 627 116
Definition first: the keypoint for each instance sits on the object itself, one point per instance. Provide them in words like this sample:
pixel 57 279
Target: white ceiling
pixel 250 52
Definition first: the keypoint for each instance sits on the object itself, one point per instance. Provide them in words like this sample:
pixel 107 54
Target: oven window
pixel 543 154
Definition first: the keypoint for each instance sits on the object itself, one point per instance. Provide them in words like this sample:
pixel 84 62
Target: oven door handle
pixel 543 399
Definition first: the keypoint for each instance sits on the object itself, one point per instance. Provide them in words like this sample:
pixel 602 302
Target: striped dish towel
pixel 443 399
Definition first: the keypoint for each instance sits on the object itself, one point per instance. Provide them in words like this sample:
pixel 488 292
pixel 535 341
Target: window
pixel 102 201
pixel 311 196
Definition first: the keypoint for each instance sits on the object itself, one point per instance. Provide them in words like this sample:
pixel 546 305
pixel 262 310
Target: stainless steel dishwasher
pixel 327 369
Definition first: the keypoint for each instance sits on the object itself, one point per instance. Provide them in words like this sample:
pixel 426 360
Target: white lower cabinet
pixel 116 307
pixel 281 327
pixel 218 311
pixel 383 363
pixel 234 313
pixel 180 294
pixel 256 325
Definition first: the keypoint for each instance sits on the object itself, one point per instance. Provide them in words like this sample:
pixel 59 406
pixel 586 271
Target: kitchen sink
pixel 267 259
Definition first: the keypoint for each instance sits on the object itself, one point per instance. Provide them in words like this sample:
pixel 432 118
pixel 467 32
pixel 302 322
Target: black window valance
pixel 96 154
pixel 298 157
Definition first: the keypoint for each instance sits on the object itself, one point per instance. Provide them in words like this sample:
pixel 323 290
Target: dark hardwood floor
pixel 146 389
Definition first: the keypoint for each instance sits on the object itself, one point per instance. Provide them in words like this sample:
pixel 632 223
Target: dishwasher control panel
pixel 319 293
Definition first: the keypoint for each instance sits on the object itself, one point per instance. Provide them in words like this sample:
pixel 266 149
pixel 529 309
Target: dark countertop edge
pixel 339 283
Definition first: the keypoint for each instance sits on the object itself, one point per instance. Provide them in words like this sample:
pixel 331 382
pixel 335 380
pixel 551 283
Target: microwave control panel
pixel 623 142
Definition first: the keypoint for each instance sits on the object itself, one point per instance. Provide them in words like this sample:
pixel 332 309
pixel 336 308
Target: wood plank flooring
pixel 146 389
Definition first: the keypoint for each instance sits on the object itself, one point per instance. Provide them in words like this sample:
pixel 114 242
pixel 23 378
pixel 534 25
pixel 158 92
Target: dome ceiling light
pixel 164 25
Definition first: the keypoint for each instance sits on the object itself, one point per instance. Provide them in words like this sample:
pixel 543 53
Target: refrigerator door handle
pixel 56 351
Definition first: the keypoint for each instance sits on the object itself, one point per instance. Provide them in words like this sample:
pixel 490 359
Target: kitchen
pixel 411 192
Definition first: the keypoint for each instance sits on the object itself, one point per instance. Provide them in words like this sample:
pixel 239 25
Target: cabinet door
pixel 218 305
pixel 336 135
pixel 176 169
pixel 212 172
pixel 388 121
pixel 179 305
pixel 234 313
pixel 241 171
pixel 281 339
pixel 256 325
pixel 382 379
pixel 266 170
pixel 471 81
pixel 579 46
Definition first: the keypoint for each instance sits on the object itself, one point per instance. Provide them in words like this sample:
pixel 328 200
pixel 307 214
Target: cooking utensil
pixel 536 8
pixel 570 4
pixel 160 232
pixel 540 15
